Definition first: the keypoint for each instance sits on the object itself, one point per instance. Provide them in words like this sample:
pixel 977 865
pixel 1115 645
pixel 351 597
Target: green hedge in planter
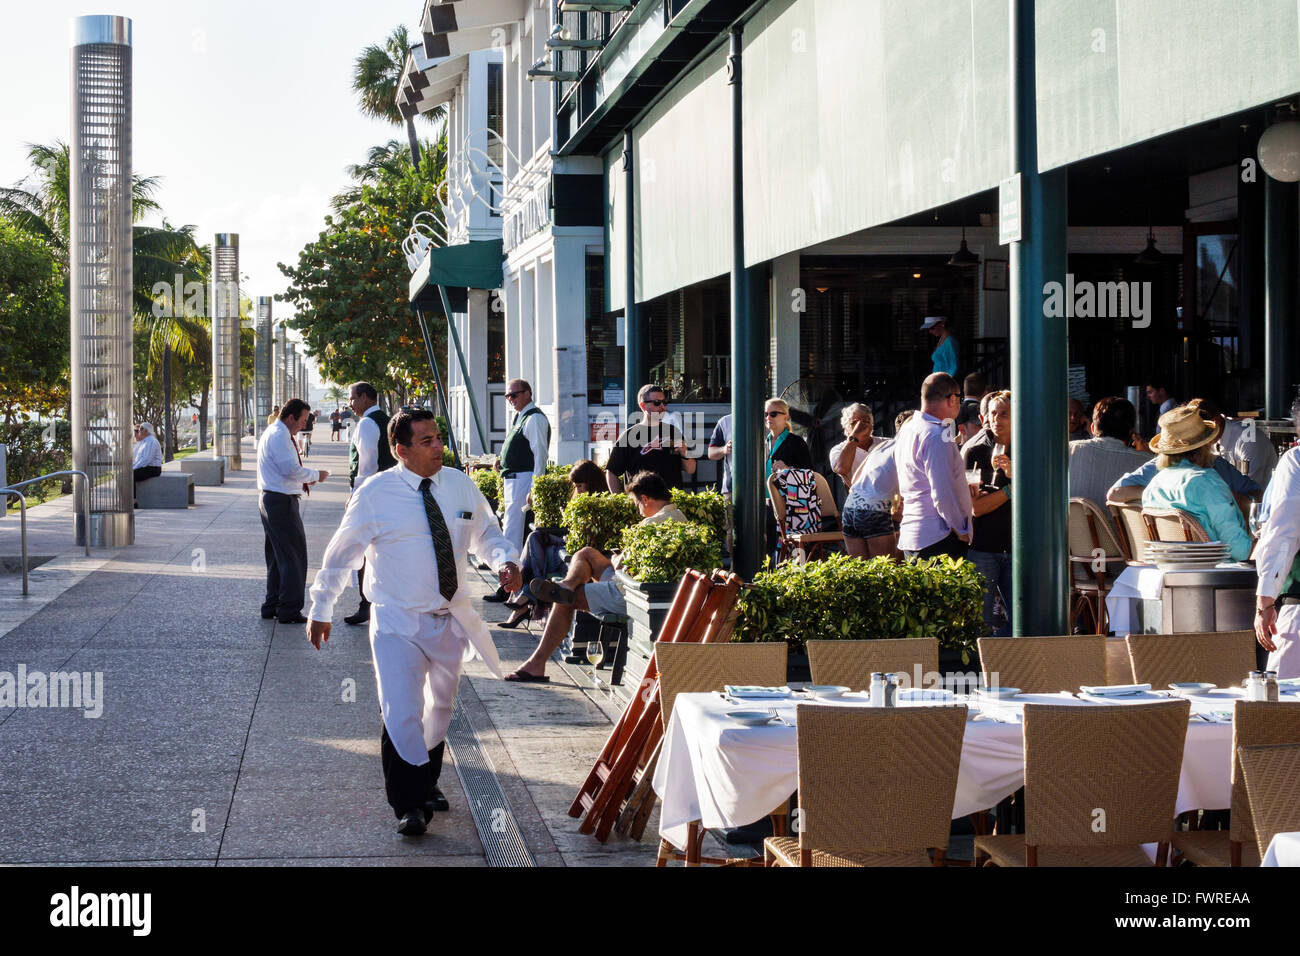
pixel 663 552
pixel 550 493
pixel 489 482
pixel 845 598
pixel 704 507
pixel 597 521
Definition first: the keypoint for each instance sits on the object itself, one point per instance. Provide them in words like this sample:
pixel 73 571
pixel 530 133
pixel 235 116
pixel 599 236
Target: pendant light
pixel 963 258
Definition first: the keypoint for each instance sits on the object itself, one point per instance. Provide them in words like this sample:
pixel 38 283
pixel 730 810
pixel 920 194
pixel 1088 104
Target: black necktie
pixel 442 549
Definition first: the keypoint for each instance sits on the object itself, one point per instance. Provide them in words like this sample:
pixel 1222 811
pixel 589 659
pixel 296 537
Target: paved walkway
pixel 227 739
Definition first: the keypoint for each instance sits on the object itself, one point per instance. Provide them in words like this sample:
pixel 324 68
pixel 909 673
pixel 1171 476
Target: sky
pixel 244 108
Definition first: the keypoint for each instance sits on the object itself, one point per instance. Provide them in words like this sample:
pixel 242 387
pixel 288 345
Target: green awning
pixel 470 265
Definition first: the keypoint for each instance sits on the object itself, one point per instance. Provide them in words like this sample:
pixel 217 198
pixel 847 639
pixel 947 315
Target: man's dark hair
pixel 1159 383
pixel 589 473
pixel 975 386
pixel 969 413
pixel 402 425
pixel 646 390
pixel 1115 417
pixel 651 485
pixel 366 389
pixel 293 408
pixel 938 387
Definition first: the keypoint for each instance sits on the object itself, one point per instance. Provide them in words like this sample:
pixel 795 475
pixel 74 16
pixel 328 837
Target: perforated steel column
pixel 262 365
pixel 291 364
pixel 101 277
pixel 227 416
pixel 281 360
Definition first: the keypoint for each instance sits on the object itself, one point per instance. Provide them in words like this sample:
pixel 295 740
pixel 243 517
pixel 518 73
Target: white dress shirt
pixel 147 453
pixel 534 431
pixel 1243 442
pixel 366 439
pixel 385 523
pixel 1098 463
pixel 1279 539
pixel 278 468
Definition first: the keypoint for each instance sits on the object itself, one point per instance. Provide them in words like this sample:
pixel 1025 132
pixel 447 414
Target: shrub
pixel 704 507
pixel 845 598
pixel 663 552
pixel 597 520
pixel 550 493
pixel 30 454
pixel 489 482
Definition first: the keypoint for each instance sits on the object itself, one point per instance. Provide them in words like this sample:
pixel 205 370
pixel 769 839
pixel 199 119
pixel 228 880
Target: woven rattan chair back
pixel 877 779
pixel 1119 669
pixel 1256 724
pixel 1172 524
pixel 700 668
pixel 851 663
pixel 1217 657
pixel 1132 529
pixel 1092 538
pixel 1272 777
pixel 1044 665
pixel 1102 776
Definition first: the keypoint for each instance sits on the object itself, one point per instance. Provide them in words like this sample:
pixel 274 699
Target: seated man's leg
pixel 594 561
pixel 557 626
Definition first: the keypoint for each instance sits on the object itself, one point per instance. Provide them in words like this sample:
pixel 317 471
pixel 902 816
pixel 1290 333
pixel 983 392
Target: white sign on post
pixel 1009 211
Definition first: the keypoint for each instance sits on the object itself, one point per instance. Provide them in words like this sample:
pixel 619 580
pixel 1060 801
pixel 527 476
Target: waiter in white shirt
pixel 281 479
pixel 523 457
pixel 1277 565
pixel 414 524
pixel 369 454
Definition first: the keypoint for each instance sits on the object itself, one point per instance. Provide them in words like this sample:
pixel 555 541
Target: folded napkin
pixel 925 693
pixel 1115 690
pixel 748 692
pixel 1145 697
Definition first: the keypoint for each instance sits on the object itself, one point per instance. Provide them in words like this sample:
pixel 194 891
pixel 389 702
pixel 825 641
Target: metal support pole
pixel 437 380
pixel 1280 249
pixel 169 433
pixel 748 344
pixel 464 372
pixel 1039 364
pixel 636 336
pixel 22 519
pixel 262 367
pixel 227 404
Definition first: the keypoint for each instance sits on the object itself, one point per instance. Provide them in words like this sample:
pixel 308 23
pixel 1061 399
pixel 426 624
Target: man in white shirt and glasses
pixel 1277 565
pixel 281 479
pixel 414 524
pixel 523 457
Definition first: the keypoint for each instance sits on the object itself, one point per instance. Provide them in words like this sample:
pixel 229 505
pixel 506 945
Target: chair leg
pixel 694 838
pixel 1031 855
pixel 665 851
pixel 1162 854
pixel 940 857
pixel 769 858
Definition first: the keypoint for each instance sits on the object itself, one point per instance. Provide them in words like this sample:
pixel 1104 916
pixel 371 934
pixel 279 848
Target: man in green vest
pixel 368 455
pixel 523 456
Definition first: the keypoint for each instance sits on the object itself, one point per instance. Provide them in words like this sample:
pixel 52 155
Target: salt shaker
pixel 877 689
pixel 891 690
pixel 1254 686
pixel 1270 686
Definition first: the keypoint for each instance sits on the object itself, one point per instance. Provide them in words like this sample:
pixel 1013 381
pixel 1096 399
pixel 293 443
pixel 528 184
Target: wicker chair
pixel 1219 657
pixel 876 786
pixel 1119 669
pixel 1122 759
pixel 1172 524
pixel 1044 665
pixel 700 668
pixel 808 545
pixel 1132 531
pixel 1272 777
pixel 1254 724
pixel 851 663
pixel 1096 559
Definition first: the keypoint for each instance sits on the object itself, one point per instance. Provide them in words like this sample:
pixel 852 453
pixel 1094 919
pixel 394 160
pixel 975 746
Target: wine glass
pixel 595 654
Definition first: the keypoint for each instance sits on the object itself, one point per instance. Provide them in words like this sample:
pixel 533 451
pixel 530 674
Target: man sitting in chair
pixel 590 585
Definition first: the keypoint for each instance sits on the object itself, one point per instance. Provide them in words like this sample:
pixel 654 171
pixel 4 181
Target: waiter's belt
pixel 1287 599
pixel 516 474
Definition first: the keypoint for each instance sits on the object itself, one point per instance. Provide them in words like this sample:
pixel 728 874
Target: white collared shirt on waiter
pixel 535 431
pixel 278 465
pixel 419 639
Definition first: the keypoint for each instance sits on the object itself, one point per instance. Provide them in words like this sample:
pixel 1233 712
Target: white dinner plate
pixel 1191 688
pixel 751 718
pixel 998 693
pixel 827 690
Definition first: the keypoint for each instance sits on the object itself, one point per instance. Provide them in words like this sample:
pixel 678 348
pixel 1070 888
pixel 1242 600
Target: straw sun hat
pixel 1182 430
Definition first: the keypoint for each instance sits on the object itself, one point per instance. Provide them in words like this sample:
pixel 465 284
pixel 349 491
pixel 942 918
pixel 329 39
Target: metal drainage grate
pixel 503 844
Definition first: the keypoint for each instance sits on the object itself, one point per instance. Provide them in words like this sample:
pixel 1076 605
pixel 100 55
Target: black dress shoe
pixel 361 616
pixel 268 615
pixel 296 619
pixel 497 596
pixel 412 823
pixel 437 803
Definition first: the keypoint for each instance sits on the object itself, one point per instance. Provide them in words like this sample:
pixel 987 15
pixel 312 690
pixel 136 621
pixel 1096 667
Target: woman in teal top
pixel 785 449
pixel 944 357
pixel 1187 480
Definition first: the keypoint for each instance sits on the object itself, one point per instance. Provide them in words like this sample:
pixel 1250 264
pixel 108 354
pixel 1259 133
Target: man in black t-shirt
pixel 649 445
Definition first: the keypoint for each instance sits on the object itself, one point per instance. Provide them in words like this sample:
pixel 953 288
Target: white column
pixel 473 339
pixel 787 301
pixel 570 429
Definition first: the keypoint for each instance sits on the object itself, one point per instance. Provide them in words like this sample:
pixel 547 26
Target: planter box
pixel 647 606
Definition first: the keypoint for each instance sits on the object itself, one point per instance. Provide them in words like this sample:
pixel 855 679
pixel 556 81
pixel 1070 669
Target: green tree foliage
pixel 33 326
pixel 376 74
pixel 350 287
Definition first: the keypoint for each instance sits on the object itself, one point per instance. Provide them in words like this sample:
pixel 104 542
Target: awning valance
pixel 470 265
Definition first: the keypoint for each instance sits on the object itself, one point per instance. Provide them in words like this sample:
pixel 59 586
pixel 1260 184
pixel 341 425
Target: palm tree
pixel 376 77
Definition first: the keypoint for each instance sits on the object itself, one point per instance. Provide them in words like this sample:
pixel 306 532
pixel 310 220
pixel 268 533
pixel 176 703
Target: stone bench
pixel 168 490
pixel 206 471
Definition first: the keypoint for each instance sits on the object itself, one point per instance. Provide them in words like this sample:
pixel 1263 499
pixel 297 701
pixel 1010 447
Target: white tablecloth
pixel 1283 850
pixel 724 774
pixel 1135 584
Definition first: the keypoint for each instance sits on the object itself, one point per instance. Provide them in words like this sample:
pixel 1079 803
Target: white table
pixel 1283 850
pixel 724 774
pixel 1139 584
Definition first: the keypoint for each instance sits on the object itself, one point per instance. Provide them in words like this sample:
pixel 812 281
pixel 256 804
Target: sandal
pixel 548 592
pixel 523 677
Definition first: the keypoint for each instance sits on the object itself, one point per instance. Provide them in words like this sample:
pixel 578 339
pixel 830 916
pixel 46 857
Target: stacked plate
pixel 1185 555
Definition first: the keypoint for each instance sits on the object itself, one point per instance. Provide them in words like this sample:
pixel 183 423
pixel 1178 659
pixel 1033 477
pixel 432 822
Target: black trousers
pixel 952 546
pixel 361 585
pixel 143 474
pixel 407 785
pixel 286 555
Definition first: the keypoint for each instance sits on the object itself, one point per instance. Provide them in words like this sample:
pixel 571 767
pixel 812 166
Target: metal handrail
pixel 22 509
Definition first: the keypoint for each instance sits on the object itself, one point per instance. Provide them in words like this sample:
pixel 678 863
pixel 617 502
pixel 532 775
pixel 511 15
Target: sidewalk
pixel 225 739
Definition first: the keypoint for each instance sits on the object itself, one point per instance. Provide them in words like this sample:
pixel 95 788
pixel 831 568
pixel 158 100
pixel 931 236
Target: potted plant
pixel 597 521
pixel 550 493
pixel 654 558
pixel 489 482
pixel 703 507
pixel 845 598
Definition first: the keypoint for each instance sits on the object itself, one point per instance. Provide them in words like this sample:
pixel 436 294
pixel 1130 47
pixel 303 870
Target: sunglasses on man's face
pixel 659 402
pixel 513 394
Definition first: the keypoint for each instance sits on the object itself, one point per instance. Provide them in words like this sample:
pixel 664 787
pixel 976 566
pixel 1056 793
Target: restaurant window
pixel 495 112
pixel 690 341
pixel 496 338
pixel 604 354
